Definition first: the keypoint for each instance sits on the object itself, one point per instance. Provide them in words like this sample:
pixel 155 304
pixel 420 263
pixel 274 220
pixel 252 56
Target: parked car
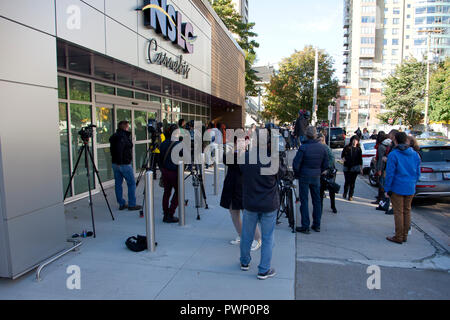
pixel 415 133
pixel 432 134
pixel 337 137
pixel 368 153
pixel 435 168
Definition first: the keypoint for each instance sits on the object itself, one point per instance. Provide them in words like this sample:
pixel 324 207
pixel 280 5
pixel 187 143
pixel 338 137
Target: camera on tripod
pixel 87 132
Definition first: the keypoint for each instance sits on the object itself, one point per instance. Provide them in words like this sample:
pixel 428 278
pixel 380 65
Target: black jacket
pixel 166 161
pixel 260 192
pixel 300 126
pixel 352 156
pixel 121 147
pixel 311 159
pixel 232 187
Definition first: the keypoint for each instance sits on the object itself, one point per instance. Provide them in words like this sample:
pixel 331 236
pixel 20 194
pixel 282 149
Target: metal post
pixel 181 208
pixel 150 212
pixel 216 172
pixel 427 90
pixel 316 78
pixel 297 205
pixel 202 168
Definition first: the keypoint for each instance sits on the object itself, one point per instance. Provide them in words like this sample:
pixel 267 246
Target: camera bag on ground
pixel 137 244
pixel 384 205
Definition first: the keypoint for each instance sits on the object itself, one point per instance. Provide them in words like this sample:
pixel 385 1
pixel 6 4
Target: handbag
pixel 384 205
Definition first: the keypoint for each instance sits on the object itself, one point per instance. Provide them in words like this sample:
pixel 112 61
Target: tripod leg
pixel 86 161
pixel 80 153
pixel 100 182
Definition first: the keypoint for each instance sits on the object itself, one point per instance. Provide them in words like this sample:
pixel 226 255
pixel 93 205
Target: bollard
pixel 202 168
pixel 150 212
pixel 216 172
pixel 297 205
pixel 181 206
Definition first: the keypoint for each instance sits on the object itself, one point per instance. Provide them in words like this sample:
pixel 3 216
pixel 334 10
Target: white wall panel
pixel 91 33
pixel 121 43
pixel 123 11
pixel 36 14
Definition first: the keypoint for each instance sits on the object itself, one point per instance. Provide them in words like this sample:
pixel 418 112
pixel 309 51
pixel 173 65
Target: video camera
pixel 87 132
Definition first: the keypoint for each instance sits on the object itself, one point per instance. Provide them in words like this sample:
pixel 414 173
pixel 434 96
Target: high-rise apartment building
pixel 242 8
pixel 379 35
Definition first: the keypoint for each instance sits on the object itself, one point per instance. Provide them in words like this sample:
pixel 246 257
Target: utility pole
pixel 429 32
pixel 370 98
pixel 316 78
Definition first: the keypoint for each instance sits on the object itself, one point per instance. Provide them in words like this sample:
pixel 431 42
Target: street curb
pixel 421 224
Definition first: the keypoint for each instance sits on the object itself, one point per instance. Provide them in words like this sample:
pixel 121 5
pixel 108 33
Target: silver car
pixel 435 168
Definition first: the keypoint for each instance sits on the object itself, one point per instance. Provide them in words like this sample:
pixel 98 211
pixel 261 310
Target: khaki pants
pixel 402 215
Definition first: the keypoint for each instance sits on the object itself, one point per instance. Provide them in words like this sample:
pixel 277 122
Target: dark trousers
pixel 170 179
pixel 323 188
pixel 310 184
pixel 350 180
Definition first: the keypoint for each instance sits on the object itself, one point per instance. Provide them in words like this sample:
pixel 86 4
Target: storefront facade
pixel 70 63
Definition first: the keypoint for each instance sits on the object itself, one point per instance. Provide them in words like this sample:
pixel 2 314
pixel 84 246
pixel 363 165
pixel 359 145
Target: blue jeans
pixel 311 184
pixel 268 222
pixel 125 172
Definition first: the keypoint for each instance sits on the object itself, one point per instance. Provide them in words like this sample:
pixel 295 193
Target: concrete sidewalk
pixel 192 262
pixel 333 264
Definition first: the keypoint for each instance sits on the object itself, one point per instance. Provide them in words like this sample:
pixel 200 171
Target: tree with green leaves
pixel 440 93
pixel 404 94
pixel 292 89
pixel 233 21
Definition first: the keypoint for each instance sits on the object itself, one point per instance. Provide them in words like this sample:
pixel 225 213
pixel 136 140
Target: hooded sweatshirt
pixel 402 171
pixel 381 152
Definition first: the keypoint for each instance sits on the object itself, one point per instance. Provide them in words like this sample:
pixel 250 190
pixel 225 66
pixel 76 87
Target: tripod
pixel 199 187
pixel 147 167
pixel 87 154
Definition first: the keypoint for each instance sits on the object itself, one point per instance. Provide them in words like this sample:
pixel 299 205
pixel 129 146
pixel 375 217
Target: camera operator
pixel 261 200
pixel 169 176
pixel 309 164
pixel 300 126
pixel 157 139
pixel 121 152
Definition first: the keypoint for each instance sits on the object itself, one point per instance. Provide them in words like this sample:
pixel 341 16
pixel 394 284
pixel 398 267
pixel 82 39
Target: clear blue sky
pixel 287 25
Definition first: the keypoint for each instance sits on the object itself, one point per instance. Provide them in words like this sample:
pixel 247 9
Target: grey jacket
pixel 382 148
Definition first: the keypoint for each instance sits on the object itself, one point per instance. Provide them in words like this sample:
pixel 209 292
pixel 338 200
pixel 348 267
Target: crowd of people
pixel 253 199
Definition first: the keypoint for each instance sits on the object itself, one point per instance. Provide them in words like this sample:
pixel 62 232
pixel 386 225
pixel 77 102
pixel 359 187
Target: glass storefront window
pixel 141 152
pixel 104 160
pixel 104 125
pixel 155 99
pixel 80 116
pixel 185 107
pixel 167 105
pixel 176 106
pixel 141 96
pixel 64 145
pixel 62 88
pixel 80 90
pixel 100 88
pixel 140 125
pixel 124 93
pixel 192 108
pixel 79 60
pixel 123 115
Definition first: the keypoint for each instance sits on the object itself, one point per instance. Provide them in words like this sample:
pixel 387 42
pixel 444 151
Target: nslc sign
pixel 164 19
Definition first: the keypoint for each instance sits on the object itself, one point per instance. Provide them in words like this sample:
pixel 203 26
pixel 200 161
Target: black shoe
pixel 302 230
pixel 316 229
pixel 375 202
pixel 334 210
pixel 135 208
pixel 344 196
pixel 245 267
pixel 121 208
pixel 269 274
pixel 171 219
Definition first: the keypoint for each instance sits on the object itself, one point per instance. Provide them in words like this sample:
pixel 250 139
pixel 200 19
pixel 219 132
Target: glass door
pixel 141 135
pixel 105 129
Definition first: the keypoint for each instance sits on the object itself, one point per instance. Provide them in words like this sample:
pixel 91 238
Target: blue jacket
pixel 311 159
pixel 402 171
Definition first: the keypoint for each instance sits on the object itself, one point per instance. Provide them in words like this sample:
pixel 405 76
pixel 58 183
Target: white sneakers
pixel 255 244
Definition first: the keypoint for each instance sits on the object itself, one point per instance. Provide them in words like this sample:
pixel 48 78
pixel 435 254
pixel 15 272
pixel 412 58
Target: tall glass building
pixel 432 15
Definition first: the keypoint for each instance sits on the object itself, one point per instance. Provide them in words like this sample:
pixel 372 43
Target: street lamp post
pixel 316 79
pixel 429 32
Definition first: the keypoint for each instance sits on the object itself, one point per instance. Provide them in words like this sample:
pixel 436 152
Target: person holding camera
pixel 231 198
pixel 261 200
pixel 329 176
pixel 169 177
pixel 352 156
pixel 309 164
pixel 122 156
